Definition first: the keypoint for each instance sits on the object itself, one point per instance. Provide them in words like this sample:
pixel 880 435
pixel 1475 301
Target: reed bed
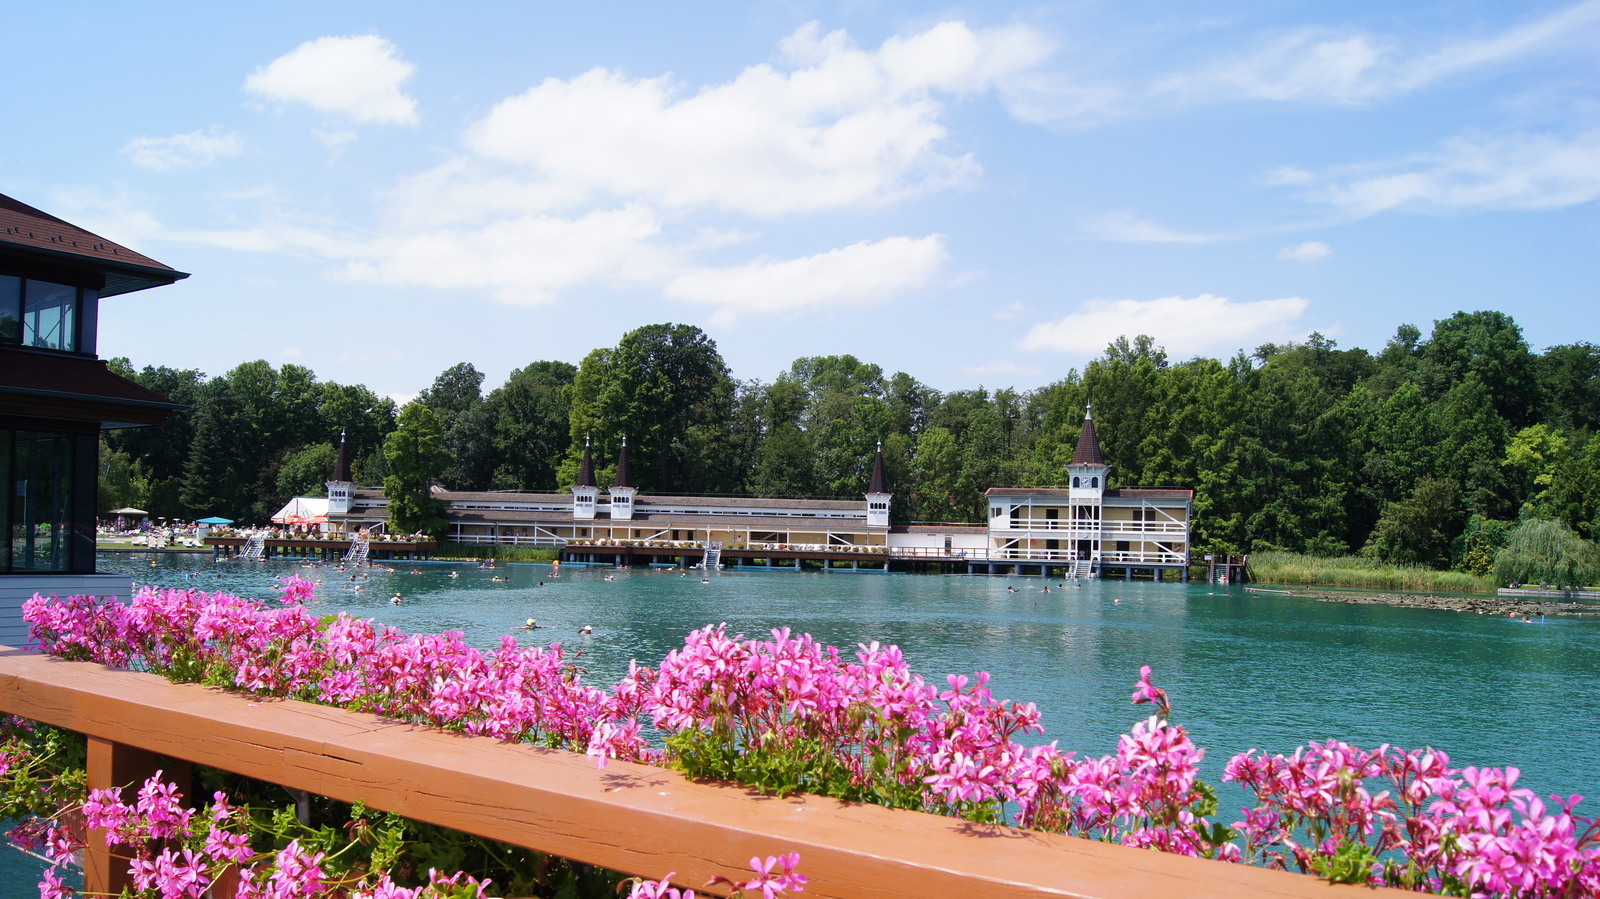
pixel 1356 571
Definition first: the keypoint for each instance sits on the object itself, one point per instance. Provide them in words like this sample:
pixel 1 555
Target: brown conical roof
pixel 1088 451
pixel 586 470
pixel 624 470
pixel 880 483
pixel 341 465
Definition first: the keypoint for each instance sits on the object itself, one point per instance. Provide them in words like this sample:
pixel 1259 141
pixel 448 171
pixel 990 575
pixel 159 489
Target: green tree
pixel 531 422
pixel 1418 531
pixel 1488 346
pixel 936 477
pixel 1481 542
pixel 363 417
pixel 456 397
pixel 416 458
pixel 305 472
pixel 665 388
pixel 1541 551
pixel 122 480
pixel 1569 376
pixel 214 481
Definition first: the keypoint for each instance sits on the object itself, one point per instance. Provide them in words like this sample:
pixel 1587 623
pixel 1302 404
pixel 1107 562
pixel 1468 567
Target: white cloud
pixel 1199 325
pixel 335 140
pixel 1001 368
pixel 1129 227
pixel 1310 251
pixel 524 260
pixel 1520 171
pixel 1356 68
pixel 1011 311
pixel 865 272
pixel 180 151
pixel 846 128
pixel 358 77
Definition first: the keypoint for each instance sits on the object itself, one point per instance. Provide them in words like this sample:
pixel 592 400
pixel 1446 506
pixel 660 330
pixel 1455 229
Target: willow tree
pixel 1541 551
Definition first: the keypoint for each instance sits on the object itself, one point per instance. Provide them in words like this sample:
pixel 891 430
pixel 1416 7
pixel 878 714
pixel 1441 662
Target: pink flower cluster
pixel 775 877
pixel 1434 827
pixel 515 693
pixel 179 853
pixel 788 714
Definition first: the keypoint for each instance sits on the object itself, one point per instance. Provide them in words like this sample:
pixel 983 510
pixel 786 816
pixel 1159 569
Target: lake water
pixel 1242 670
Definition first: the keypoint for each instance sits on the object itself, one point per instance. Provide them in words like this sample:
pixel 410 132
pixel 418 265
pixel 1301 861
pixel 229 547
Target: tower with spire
pixel 878 493
pixel 1086 490
pixel 585 492
pixel 622 489
pixel 341 490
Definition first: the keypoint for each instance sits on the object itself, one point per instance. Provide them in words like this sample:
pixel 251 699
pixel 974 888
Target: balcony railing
pixel 1153 528
pixel 631 818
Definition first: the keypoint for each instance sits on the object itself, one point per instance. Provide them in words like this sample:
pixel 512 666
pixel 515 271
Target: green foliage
pixel 1541 551
pixel 1480 542
pixel 416 458
pixel 1417 531
pixel 1302 446
pixel 304 472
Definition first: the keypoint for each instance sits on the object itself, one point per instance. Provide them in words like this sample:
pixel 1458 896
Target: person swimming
pixel 586 629
pixel 394 600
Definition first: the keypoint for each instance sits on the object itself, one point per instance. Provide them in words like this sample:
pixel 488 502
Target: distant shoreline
pixel 1485 605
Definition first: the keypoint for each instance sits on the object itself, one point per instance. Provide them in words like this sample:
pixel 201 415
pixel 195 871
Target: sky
pixel 975 194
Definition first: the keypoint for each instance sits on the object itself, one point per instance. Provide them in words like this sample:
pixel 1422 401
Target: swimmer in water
pixel 394 600
pixel 586 629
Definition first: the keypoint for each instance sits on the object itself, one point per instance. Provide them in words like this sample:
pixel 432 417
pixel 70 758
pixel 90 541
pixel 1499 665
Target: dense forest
pixel 1430 451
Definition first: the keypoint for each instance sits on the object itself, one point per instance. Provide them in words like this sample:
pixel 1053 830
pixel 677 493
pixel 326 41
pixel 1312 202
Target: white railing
pixel 1095 527
pixel 255 546
pixel 359 546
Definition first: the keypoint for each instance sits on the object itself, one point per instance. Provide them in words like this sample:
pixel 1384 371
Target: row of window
pixel 42 314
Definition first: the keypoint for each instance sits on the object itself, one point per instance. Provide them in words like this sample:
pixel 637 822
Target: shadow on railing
pixel 632 818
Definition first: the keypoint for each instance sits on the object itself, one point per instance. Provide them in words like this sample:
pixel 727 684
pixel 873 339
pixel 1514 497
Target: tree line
pixel 1429 451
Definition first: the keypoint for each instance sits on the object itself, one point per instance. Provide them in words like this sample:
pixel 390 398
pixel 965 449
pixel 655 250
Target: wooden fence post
pixel 117 766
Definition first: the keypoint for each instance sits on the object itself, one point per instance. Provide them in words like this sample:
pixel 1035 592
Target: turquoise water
pixel 1242 670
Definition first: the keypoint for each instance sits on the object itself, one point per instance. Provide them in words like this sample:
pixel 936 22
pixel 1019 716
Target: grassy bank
pixel 448 550
pixel 1355 571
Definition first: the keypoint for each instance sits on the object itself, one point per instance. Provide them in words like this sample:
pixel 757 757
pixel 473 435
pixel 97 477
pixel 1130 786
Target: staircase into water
pixel 357 553
pixel 713 557
pixel 255 546
pixel 1083 569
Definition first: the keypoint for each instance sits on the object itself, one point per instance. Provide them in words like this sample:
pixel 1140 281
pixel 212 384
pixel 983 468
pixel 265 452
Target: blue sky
pixel 974 194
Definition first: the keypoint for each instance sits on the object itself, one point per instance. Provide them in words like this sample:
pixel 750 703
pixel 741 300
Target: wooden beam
pixel 637 819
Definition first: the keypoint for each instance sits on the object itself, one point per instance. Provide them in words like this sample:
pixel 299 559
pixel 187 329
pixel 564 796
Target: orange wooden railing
pixel 632 818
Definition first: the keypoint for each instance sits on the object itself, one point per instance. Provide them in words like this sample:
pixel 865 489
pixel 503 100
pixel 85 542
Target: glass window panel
pixel 10 308
pixel 5 500
pixel 41 504
pixel 49 315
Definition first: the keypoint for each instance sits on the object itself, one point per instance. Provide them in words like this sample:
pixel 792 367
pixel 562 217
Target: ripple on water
pixel 1243 670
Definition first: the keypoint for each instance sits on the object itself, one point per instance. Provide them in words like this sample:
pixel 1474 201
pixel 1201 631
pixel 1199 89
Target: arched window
pixel 1094 482
pixel 1075 482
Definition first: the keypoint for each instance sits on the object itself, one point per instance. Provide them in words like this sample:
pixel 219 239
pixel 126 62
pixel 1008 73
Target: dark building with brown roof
pixel 56 395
